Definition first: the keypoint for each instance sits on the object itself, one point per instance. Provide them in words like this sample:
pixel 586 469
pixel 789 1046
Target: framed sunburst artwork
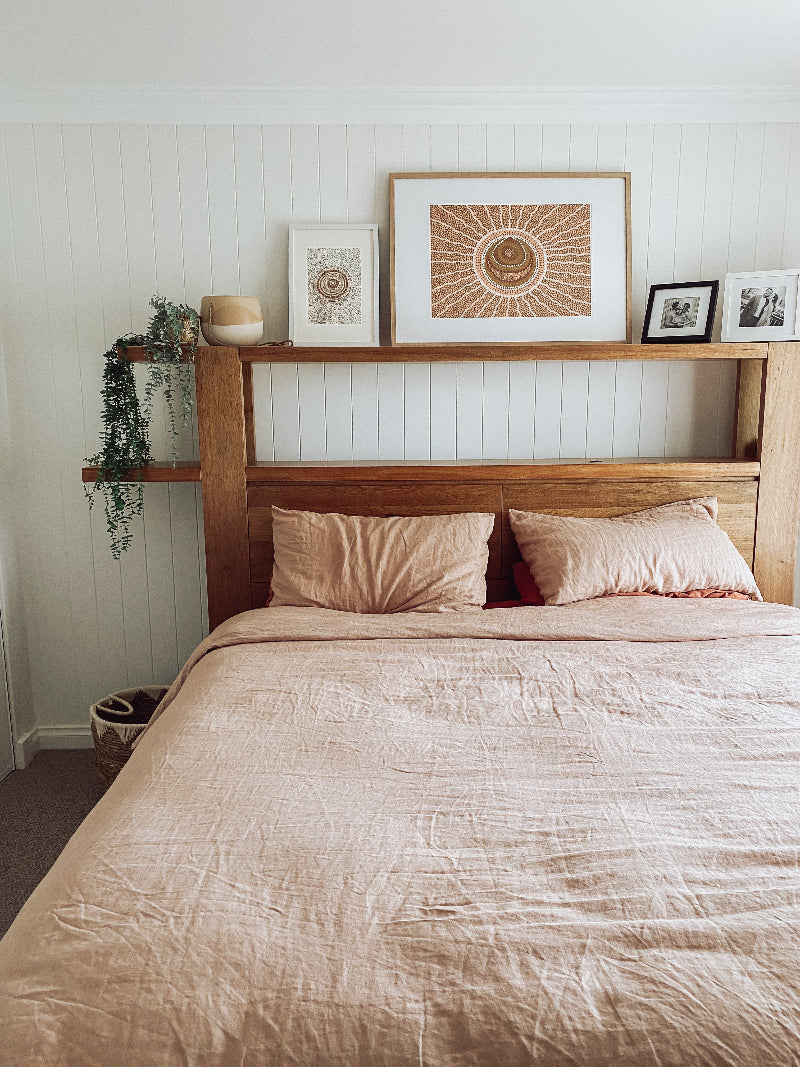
pixel 510 257
pixel 333 285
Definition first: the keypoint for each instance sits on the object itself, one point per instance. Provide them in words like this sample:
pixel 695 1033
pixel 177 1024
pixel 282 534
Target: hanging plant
pixel 170 344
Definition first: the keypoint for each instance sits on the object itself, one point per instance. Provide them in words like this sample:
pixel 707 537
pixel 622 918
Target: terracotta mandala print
pixel 334 286
pixel 510 260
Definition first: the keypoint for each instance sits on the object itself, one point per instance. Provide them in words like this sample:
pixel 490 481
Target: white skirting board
pixel 74 736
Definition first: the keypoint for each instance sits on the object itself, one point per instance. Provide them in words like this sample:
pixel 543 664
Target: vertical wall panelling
pixel 417 410
pixel 66 382
pixel 333 174
pixel 790 253
pixel 285 413
pixel 98 218
pixel 251 220
pixel 339 411
pixel 262 411
pixel 444 386
pixel 746 195
pixel 34 258
pixel 222 210
pixel 469 410
pixel 472 148
pixel 276 154
pixel 364 385
pixel 500 148
pixel 600 413
pixel 494 417
pixel 555 148
pixel 194 219
pixel 305 168
pixel 521 407
pixel 311 403
pixel 583 148
pixel 547 418
pixel 444 149
pixel 611 148
pixel 360 143
pixel 391 411
pixel 15 476
pixel 574 409
pixel 528 149
pixel 416 148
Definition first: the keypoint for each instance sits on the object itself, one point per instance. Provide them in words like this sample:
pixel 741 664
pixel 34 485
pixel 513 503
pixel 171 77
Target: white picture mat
pixel 303 238
pixel 413 198
pixel 735 283
pixel 663 295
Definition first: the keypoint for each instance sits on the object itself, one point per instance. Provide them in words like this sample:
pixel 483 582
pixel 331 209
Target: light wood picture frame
pixel 333 285
pixel 510 257
pixel 761 305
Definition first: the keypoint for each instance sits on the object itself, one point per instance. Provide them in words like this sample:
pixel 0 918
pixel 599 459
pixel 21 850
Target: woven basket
pixel 116 722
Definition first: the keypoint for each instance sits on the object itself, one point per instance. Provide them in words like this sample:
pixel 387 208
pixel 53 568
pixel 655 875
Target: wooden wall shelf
pixel 488 353
pixel 182 471
pixel 475 470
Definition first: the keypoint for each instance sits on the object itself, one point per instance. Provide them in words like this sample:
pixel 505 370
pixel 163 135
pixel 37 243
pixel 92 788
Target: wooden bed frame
pixel 758 486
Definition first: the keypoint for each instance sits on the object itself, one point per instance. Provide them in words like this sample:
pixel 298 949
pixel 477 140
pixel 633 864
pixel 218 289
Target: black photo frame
pixel 680 313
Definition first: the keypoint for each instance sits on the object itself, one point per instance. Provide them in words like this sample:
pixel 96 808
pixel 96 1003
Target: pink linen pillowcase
pixel 376 565
pixel 667 549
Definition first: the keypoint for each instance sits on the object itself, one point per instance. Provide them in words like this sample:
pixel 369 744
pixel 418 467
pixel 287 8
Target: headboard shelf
pixel 505 471
pixel 487 353
pixel 758 487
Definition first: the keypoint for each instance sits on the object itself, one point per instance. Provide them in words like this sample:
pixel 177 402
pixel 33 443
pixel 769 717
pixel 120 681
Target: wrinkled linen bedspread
pixel 542 836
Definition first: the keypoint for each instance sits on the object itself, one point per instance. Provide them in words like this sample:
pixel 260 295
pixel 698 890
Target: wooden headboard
pixel 758 487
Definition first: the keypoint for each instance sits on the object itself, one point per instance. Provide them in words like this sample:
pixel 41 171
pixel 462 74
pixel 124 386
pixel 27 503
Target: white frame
pixel 411 197
pixel 735 283
pixel 316 235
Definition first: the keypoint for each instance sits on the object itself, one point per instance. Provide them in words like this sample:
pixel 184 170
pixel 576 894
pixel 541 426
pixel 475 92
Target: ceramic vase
pixel 231 320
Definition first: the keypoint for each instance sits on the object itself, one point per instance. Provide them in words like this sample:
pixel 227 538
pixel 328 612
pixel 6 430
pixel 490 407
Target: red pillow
pixel 526 586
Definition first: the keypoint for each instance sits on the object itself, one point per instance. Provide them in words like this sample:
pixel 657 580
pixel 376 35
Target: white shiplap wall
pixel 93 220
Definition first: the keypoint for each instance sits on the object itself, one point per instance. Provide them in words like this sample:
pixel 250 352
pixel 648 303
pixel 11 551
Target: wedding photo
pixel 762 307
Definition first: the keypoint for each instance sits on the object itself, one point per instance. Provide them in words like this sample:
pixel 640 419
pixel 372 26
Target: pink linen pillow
pixel 380 565
pixel 668 549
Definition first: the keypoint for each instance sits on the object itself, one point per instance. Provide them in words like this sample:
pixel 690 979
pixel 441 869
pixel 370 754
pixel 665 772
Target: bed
pixel 540 835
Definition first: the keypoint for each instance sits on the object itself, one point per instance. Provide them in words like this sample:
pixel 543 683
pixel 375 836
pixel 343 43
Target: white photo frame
pixel 451 285
pixel 762 306
pixel 333 285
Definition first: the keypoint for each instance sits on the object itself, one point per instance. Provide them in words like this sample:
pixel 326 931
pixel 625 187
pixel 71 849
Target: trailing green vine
pixel 171 345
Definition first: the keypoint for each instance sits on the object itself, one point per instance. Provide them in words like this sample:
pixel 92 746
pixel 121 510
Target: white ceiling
pixel 362 43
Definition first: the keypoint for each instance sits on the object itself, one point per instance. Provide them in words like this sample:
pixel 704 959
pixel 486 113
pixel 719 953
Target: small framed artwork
pixel 333 285
pixel 680 311
pixel 761 306
pixel 510 258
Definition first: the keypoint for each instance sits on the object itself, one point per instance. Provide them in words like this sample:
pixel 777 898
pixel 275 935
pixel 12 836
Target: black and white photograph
pixel 680 314
pixel 680 311
pixel 761 306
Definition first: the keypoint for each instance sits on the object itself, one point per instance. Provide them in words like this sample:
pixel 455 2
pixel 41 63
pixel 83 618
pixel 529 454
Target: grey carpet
pixel 40 809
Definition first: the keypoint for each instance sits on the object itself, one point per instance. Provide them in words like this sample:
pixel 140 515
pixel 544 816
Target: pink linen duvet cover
pixel 552 836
